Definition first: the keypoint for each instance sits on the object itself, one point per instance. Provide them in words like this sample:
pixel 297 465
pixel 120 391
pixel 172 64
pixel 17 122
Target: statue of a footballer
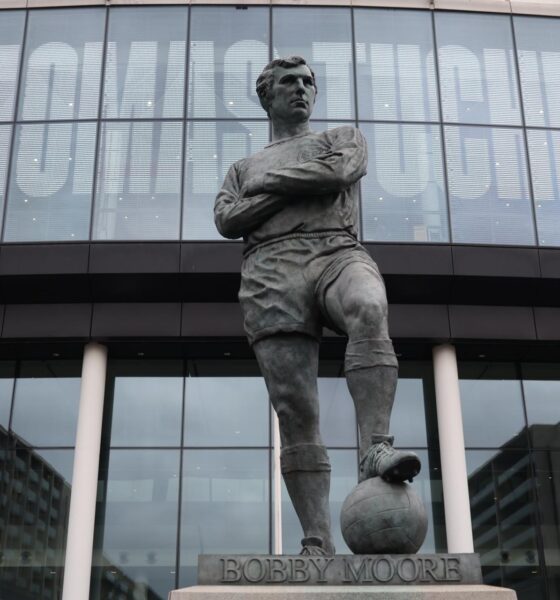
pixel 295 203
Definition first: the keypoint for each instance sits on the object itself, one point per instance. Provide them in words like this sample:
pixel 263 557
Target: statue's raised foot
pixel 382 460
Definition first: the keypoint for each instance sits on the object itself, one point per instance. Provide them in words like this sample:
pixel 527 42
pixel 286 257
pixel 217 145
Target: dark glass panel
pixel 138 193
pixel 228 50
pixel 226 411
pixel 51 182
pixel 147 402
pixel 145 64
pixel 395 65
pixel 62 64
pixel 544 154
pixel 492 406
pixel 403 198
pixel 46 400
pixel 135 547
pixel 212 147
pixel 11 34
pixel 337 414
pixel 488 186
pixel 547 472
pixel 323 37
pixel 541 387
pixel 225 506
pixel 34 505
pixel 538 50
pixel 477 71
pixel 503 510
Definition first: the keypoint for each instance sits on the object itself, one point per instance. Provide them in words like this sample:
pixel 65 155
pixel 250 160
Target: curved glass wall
pixel 121 122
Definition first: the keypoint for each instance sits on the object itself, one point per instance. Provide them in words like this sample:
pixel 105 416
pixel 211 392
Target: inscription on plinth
pixel 415 569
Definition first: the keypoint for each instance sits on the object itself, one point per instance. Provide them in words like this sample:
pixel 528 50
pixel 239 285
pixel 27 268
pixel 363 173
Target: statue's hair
pixel 266 78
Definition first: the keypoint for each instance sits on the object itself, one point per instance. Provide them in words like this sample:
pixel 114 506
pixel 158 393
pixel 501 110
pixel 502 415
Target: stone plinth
pixel 339 592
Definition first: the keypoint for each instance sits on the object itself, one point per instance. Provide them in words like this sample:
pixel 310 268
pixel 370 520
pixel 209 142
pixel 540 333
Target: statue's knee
pixel 298 416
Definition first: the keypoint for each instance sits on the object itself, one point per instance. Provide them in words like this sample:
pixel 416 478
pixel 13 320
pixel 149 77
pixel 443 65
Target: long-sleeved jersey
pixel 303 186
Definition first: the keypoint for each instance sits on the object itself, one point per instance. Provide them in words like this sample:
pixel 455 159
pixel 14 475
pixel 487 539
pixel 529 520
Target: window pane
pixel 408 417
pixel 488 189
pixel 46 401
pixel 51 183
pixel 6 392
pixel 11 33
pixel 403 195
pixel 228 50
pixel 538 49
pixel 541 387
pixel 147 406
pixel 477 69
pixel 323 37
pixel 145 68
pixel 544 153
pixel 226 411
pixel 225 506
pixel 492 406
pixel 547 472
pixel 62 64
pixel 344 476
pixel 395 65
pixel 337 414
pixel 135 550
pixel 212 147
pixel 5 139
pixel 138 184
pixel 35 500
pixel 504 518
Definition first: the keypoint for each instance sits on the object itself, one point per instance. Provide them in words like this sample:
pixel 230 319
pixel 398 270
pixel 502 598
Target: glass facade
pixel 124 120
pixel 513 472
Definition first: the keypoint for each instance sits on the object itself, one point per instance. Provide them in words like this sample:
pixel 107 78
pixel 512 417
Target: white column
pixel 452 448
pixel 81 520
pixel 277 487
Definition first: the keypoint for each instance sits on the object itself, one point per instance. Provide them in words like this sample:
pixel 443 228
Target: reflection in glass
pixel 503 510
pixel 62 64
pixel 544 154
pixel 408 418
pixel 547 473
pixel 11 33
pixel 34 503
pixel 5 138
pixel 6 392
pixel 138 181
pixel 146 410
pixel 395 65
pixel 541 388
pixel 135 548
pixel 226 411
pixel 225 506
pixel 49 196
pixel 212 147
pixel 488 186
pixel 492 391
pixel 145 63
pixel 538 50
pixel 477 69
pixel 228 50
pixel 403 193
pixel 46 399
pixel 323 37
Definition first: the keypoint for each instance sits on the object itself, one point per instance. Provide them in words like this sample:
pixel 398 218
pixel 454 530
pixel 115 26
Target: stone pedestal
pixel 339 592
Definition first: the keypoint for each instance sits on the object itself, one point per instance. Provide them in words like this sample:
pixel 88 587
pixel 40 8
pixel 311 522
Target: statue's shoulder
pixel 344 133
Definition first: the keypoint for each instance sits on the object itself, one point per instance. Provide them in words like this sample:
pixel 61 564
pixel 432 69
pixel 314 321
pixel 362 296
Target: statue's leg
pixel 357 304
pixel 289 364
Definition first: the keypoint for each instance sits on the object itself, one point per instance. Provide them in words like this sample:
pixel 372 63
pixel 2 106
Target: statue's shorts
pixel 284 282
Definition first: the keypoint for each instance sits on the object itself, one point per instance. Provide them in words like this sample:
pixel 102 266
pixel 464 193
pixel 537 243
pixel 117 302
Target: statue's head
pixel 287 89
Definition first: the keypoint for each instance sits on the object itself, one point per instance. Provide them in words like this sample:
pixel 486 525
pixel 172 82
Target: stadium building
pixel 135 429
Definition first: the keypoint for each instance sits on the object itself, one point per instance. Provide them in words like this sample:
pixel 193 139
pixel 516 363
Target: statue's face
pixel 292 96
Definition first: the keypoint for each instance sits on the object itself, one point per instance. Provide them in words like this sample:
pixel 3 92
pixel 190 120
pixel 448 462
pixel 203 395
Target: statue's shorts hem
pixel 283 284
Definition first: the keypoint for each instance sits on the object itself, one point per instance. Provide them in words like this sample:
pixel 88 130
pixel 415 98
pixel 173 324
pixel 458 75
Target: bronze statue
pixel 295 204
